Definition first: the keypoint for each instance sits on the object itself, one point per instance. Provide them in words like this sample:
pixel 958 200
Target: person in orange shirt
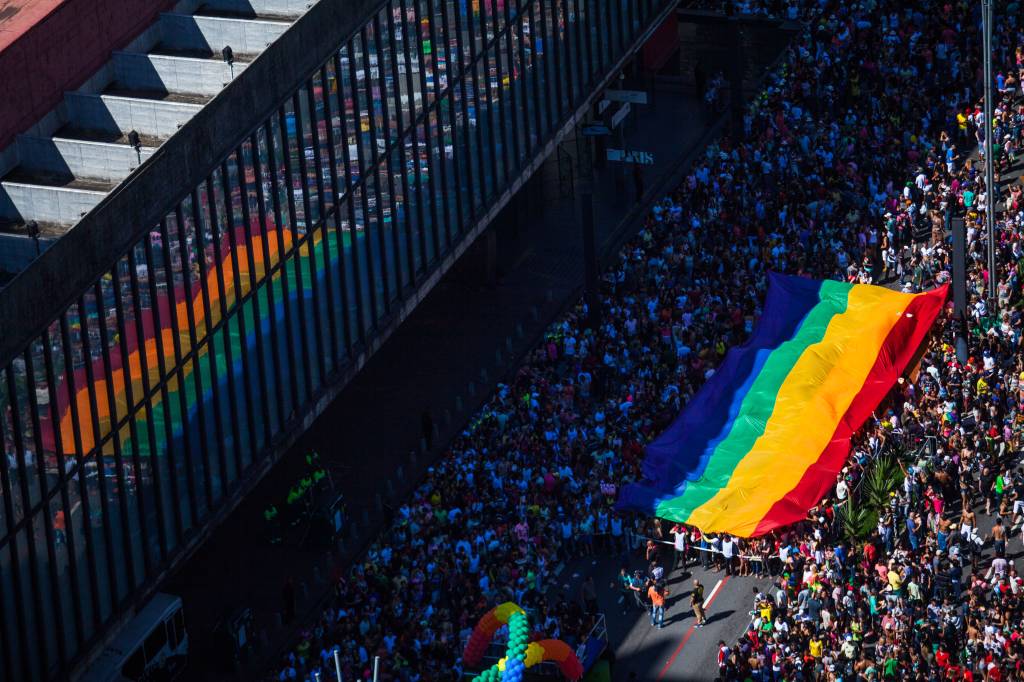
pixel 657 593
pixel 59 527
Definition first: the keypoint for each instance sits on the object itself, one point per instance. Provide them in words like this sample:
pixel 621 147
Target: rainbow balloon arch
pixel 521 653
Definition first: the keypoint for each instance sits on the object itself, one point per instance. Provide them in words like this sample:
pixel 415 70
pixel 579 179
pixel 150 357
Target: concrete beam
pixel 80 158
pixel 245 36
pixel 23 202
pixel 261 8
pixel 112 114
pixel 135 71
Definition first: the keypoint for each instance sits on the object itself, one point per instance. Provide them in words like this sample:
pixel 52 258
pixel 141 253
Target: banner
pixel 763 439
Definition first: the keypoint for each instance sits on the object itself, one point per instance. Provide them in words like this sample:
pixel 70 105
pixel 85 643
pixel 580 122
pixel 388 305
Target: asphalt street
pixel 679 650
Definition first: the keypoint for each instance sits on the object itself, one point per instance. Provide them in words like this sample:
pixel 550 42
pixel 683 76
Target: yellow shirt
pixel 816 646
pixel 894 580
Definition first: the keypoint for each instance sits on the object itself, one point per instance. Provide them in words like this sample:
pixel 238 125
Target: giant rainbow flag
pixel 764 438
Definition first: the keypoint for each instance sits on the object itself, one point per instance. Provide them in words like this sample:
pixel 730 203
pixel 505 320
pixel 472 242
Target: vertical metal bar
pixel 253 297
pixel 140 335
pixel 353 229
pixel 580 48
pixel 83 488
pixel 556 47
pixel 485 64
pixel 499 96
pixel 535 69
pixel 594 51
pixel 314 132
pixel 197 375
pixel 44 511
pixel 375 163
pixel 179 369
pixel 282 255
pixel 130 410
pixel 602 45
pixel 437 136
pixel 97 451
pixel 529 104
pixel 309 237
pixel 242 299
pixel 453 86
pixel 396 247
pixel 211 348
pixel 115 437
pixel 513 77
pixel 615 24
pixel 408 216
pixel 427 105
pixel 223 327
pixel 295 253
pixel 551 103
pixel 12 548
pixel 6 657
pixel 18 438
pixel 267 284
pixel 165 398
pixel 417 180
pixel 336 194
pixel 481 175
pixel 357 120
pixel 459 72
pixel 63 483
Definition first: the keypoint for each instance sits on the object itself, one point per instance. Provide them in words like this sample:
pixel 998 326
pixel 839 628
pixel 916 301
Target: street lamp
pixel 229 58
pixel 32 227
pixel 990 188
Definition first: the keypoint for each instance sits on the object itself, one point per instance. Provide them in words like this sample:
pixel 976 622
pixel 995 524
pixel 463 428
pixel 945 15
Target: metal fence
pixel 134 407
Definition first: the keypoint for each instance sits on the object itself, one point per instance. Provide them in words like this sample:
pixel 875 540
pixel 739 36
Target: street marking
pixel 707 602
pixel 686 637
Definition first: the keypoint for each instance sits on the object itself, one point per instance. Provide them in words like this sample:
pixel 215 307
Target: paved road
pixel 678 651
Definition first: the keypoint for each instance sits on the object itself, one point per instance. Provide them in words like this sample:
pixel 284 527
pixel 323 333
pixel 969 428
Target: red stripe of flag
pixel 899 348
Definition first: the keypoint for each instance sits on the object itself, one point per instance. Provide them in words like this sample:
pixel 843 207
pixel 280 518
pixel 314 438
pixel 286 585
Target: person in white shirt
pixel 729 554
pixel 679 535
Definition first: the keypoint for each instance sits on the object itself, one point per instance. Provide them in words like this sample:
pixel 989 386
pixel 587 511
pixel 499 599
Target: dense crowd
pixel 853 163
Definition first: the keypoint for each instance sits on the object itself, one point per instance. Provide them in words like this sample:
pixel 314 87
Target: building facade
pixel 133 410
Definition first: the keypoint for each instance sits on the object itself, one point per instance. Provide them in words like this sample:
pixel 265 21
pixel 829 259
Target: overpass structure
pixel 206 303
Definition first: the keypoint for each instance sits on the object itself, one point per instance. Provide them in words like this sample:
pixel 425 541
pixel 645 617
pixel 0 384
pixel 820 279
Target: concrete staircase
pixel 62 167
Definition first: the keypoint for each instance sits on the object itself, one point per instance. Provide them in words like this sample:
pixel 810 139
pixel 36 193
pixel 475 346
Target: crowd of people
pixel 854 163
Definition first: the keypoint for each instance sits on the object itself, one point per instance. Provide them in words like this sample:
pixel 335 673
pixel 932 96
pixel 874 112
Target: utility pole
pixel 990 188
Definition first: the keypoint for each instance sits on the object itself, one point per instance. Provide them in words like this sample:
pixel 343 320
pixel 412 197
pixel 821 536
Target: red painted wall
pixel 59 51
